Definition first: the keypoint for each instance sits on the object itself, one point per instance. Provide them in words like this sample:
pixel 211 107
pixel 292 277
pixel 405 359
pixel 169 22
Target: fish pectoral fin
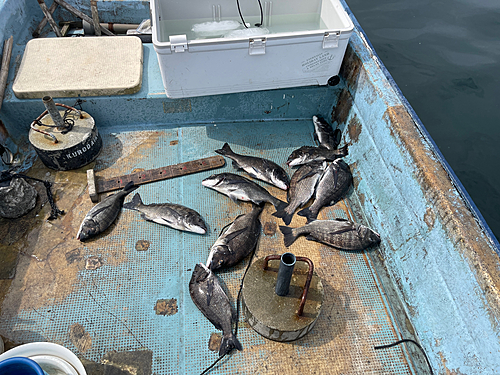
pixel 236 165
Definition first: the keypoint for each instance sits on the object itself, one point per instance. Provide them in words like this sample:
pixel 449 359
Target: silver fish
pixel 237 241
pixel 302 187
pixel 307 154
pixel 259 168
pixel 103 214
pixel 324 133
pixel 172 215
pixel 331 188
pixel 208 295
pixel 240 188
pixel 339 233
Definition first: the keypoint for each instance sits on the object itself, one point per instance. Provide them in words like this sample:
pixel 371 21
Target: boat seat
pixel 80 66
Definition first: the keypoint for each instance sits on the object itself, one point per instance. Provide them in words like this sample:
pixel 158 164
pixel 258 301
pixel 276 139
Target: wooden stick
pixel 42 24
pixel 4 71
pixel 48 15
pixel 95 17
pixel 81 15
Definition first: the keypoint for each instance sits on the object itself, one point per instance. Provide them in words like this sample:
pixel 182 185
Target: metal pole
pixel 53 111
pixel 287 264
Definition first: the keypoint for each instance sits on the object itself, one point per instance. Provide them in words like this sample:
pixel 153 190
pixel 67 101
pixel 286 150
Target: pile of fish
pixel 322 177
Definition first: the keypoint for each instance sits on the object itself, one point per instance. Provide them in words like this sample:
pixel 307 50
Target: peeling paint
pixel 166 307
pixel 80 338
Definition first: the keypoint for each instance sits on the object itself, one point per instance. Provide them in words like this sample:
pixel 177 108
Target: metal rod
pixel 48 15
pixel 43 22
pixel 285 271
pixel 53 111
pixel 95 17
pixel 81 15
pixel 4 71
pixel 308 283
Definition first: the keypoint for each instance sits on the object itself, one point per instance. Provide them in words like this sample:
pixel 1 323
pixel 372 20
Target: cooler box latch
pixel 331 39
pixel 178 43
pixel 257 46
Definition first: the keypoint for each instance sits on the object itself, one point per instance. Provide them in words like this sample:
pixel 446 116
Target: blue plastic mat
pixel 112 308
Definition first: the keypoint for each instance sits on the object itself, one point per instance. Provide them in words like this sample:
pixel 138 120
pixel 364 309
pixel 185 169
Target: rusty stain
pixel 354 129
pixel 448 207
pixel 214 342
pixel 80 338
pixel 4 134
pixel 142 245
pixel 429 218
pixel 174 142
pixel 93 263
pixel 138 170
pixel 166 307
pixel 269 228
pixel 350 67
pixel 341 110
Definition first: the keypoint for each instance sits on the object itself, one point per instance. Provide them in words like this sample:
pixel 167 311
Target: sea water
pixel 445 57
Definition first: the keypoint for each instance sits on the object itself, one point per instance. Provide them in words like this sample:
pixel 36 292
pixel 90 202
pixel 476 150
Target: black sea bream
pixel 240 188
pixel 259 168
pixel 173 215
pixel 208 295
pixel 302 187
pixel 308 154
pixel 237 241
pixel 339 233
pixel 331 188
pixel 103 214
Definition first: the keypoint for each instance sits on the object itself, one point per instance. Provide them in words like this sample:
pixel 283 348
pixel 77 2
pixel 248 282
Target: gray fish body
pixel 331 188
pixel 240 188
pixel 173 215
pixel 209 297
pixel 302 187
pixel 237 241
pixel 103 214
pixel 308 154
pixel 324 133
pixel 339 233
pixel 259 168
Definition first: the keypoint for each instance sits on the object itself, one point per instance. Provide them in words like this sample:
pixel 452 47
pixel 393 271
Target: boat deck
pixel 138 301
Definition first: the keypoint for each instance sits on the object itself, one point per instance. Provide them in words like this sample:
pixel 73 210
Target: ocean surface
pixel 445 57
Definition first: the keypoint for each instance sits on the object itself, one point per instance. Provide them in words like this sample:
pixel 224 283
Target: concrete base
pixel 275 317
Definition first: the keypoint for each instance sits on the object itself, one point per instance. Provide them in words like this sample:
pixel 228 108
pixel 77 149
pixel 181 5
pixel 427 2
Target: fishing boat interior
pixel 423 300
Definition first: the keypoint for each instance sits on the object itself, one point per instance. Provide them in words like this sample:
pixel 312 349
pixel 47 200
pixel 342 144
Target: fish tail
pixel 279 205
pixel 308 214
pixel 134 203
pixel 343 151
pixel 229 342
pixel 284 214
pixel 288 234
pixel 130 187
pixel 225 150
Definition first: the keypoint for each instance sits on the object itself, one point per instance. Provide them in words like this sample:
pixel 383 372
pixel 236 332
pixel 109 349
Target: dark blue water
pixel 445 57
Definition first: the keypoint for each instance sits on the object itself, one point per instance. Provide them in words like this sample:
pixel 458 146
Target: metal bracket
pixel 257 46
pixel 331 40
pixel 178 43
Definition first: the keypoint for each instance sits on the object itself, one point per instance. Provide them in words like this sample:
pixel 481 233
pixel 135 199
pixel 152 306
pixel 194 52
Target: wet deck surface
pixel 137 299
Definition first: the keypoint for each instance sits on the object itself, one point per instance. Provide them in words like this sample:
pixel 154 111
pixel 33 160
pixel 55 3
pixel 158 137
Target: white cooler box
pixel 204 49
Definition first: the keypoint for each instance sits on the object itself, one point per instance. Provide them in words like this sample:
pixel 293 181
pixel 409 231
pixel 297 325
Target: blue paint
pixel 437 281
